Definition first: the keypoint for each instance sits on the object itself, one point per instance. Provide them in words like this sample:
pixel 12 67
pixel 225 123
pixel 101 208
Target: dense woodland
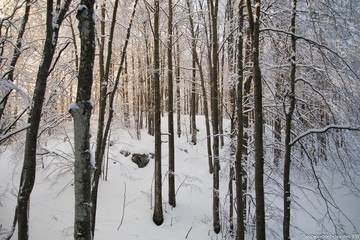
pixel 285 74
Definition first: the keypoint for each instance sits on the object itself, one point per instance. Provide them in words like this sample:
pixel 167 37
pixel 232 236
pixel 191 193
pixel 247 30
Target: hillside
pixel 125 198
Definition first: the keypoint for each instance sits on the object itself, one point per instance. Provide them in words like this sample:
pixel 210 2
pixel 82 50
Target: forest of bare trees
pixel 285 74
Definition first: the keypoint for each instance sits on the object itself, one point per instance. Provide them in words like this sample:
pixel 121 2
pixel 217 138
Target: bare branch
pixel 10 134
pixel 58 57
pixel 123 208
pixel 323 130
pixel 7 129
pixel 317 44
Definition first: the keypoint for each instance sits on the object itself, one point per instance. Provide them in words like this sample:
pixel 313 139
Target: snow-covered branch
pixel 317 92
pixel 323 130
pixel 315 43
pixel 12 133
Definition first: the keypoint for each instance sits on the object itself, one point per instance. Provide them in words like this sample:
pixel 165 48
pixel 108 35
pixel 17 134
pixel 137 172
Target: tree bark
pixel 81 113
pixel 207 120
pixel 110 115
pixel 288 118
pixel 193 129
pixel 232 108
pixel 150 88
pixel 240 203
pixel 104 78
pixel 172 199
pixel 178 92
pixel 254 24
pixel 203 90
pixel 158 212
pixel 28 173
pixel 215 111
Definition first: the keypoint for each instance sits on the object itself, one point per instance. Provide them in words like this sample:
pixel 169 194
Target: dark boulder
pixel 141 159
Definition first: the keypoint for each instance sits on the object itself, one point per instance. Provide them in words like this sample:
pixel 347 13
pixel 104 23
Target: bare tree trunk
pixel 231 200
pixel 193 130
pixel 163 86
pixel 185 99
pixel 203 89
pixel 254 24
pixel 141 98
pixel 137 95
pixel 29 167
pixel 94 190
pixel 150 88
pixel 81 113
pixel 240 202
pixel 207 120
pixel 277 136
pixel 288 118
pixel 104 78
pixel 215 112
pixel 125 95
pixel 221 99
pixel 279 45
pixel 178 93
pixel 232 108
pixel 158 212
pixel 172 199
pixel 247 85
pixel 76 55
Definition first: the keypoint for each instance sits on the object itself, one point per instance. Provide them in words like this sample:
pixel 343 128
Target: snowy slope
pixel 125 199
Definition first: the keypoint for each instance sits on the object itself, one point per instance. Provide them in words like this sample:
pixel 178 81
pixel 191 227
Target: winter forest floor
pixel 125 198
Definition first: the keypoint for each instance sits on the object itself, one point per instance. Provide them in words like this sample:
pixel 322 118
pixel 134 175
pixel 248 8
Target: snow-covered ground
pixel 125 198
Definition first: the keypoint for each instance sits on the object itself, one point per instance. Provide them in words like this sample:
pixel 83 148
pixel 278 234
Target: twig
pixel 10 134
pixel 58 57
pixel 328 202
pixel 15 121
pixel 187 234
pixel 182 183
pixel 123 209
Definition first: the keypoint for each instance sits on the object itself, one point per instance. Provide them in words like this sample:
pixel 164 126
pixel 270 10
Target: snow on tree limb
pixel 323 130
pixel 315 43
pixel 12 133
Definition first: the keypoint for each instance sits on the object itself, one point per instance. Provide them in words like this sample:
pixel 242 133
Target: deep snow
pixel 125 199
